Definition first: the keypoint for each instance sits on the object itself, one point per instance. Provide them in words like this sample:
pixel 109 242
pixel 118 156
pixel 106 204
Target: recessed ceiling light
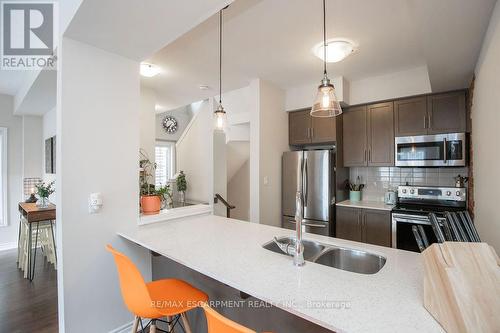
pixel 203 87
pixel 149 70
pixel 160 108
pixel 336 49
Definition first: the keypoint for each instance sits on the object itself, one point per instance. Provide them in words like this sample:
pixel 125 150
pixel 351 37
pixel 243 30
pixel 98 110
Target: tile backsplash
pixel 378 180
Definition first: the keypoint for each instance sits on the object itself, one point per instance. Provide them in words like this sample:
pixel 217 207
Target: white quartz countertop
pixel 365 204
pixel 231 252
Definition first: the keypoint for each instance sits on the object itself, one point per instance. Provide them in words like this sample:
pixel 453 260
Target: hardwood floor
pixel 24 306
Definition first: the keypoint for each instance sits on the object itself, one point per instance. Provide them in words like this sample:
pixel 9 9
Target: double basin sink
pixel 338 257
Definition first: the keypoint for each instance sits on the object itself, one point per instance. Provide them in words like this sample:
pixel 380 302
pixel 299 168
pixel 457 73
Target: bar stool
pixel 170 298
pixel 42 235
pixel 217 323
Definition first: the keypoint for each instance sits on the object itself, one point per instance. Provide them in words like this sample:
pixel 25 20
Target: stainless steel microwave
pixel 438 150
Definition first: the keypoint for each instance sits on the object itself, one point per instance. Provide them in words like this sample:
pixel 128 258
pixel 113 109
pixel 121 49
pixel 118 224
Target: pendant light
pixel 220 113
pixel 326 103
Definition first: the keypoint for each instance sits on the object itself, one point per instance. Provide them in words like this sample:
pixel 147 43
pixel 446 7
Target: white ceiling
pixel 41 96
pixel 136 29
pixel 272 40
pixel 131 28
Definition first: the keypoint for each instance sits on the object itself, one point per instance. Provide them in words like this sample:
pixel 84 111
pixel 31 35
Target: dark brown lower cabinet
pixel 364 225
pixel 348 224
pixel 377 227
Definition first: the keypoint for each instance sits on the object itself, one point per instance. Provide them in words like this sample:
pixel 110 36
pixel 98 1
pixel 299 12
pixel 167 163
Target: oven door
pixel 430 150
pixel 402 234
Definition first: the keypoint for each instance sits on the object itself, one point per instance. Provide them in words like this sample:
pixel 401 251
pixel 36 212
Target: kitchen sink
pixel 351 260
pixel 311 249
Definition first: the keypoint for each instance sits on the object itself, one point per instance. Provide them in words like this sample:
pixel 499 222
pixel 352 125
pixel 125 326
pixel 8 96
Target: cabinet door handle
pixel 429 125
pixel 425 121
pixel 312 132
pixel 364 158
pixel 370 155
pixel 360 224
pixel 308 133
pixel 364 228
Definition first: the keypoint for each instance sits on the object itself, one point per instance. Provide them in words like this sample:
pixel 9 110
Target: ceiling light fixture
pixel 149 70
pixel 325 104
pixel 220 113
pixel 337 49
pixel 160 108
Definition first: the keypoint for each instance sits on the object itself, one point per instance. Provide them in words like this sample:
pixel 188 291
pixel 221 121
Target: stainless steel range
pixel 413 208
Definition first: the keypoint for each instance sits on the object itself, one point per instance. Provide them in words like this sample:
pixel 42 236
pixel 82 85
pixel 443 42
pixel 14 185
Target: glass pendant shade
pixel 326 103
pixel 220 119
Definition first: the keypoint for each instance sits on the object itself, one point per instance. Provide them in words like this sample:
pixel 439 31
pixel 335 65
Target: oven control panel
pixel 434 193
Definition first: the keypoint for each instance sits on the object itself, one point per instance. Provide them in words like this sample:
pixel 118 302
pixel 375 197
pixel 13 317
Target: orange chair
pixel 217 323
pixel 169 298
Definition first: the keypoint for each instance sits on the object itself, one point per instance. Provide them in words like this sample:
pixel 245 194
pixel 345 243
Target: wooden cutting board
pixel 462 286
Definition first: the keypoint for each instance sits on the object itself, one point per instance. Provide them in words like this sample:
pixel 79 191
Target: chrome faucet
pixel 298 257
pixel 296 250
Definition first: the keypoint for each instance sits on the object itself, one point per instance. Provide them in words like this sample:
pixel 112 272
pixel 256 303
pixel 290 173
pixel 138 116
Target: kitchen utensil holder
pixel 355 195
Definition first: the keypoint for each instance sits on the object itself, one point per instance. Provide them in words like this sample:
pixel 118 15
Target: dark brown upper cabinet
pixel 432 114
pixel 410 116
pixel 323 129
pixel 355 136
pixel 368 135
pixel 380 134
pixel 299 128
pixel 304 129
pixel 446 113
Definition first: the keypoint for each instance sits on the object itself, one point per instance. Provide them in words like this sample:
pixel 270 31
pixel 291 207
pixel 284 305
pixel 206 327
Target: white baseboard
pixel 8 246
pixel 127 327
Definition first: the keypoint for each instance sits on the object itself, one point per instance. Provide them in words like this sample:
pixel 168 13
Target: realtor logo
pixel 28 35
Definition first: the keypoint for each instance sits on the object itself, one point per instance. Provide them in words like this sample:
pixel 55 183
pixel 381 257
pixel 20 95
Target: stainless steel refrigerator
pixel 314 173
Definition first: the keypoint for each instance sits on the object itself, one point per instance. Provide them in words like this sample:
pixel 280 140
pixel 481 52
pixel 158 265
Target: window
pixel 3 177
pixel 165 162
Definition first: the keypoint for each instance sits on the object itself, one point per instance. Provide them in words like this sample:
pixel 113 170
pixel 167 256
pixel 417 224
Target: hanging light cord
pixel 220 56
pixel 324 37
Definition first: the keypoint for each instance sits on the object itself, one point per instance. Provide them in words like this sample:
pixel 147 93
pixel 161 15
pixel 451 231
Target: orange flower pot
pixel 151 204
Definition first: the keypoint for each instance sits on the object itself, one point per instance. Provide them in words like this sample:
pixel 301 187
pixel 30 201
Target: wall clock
pixel 170 124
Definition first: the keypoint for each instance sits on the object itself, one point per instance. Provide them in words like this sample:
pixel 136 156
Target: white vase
pixel 182 196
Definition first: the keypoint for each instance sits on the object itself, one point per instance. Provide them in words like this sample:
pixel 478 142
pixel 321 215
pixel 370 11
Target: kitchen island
pixel 230 251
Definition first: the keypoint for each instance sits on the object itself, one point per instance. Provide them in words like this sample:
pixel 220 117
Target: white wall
pixel 97 148
pixel 147 122
pixel 8 234
pixel 268 140
pixel 33 146
pixel 485 121
pixel 220 170
pixel 410 82
pixel 303 96
pixel 49 130
pixel 194 154
pixel 414 81
pixel 273 141
pixel 238 192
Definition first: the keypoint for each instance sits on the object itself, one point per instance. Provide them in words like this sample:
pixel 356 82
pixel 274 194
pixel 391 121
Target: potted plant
pixel 152 198
pixel 44 191
pixel 181 186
